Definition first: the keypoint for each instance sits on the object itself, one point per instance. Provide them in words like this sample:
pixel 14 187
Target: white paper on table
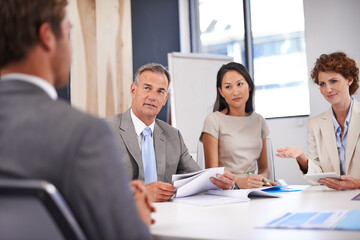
pixel 308 220
pixel 205 200
pixel 332 219
pixel 243 193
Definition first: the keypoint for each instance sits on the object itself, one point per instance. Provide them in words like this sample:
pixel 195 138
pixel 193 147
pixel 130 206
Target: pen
pixel 263 180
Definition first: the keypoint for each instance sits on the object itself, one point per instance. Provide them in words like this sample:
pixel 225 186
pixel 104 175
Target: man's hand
pixel 160 191
pixel 346 182
pixel 225 181
pixel 143 202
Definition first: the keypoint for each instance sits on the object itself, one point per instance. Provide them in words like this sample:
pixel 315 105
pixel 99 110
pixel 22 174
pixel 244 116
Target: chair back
pixel 33 209
pixel 200 157
pixel 270 159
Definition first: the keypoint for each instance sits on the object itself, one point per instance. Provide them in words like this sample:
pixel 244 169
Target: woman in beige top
pixel 233 135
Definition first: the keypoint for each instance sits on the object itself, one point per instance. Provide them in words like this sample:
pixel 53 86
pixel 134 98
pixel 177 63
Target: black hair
pixel 220 103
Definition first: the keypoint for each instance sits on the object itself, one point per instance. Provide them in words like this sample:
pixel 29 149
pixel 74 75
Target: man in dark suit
pixel 42 137
pixel 149 93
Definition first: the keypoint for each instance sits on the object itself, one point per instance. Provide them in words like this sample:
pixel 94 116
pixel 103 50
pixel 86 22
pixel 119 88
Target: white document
pixel 205 200
pixel 314 178
pixel 193 183
pixel 309 220
pixel 176 177
pixel 243 193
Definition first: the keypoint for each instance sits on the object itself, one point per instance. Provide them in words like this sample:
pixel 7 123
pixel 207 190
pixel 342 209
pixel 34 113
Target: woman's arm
pixel 211 150
pixel 297 153
pixel 251 181
pixel 211 146
pixel 255 181
pixel 263 161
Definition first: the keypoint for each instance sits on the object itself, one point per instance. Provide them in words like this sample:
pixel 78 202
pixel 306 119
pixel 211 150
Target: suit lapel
pixel 353 133
pixel 127 132
pixel 160 148
pixel 327 130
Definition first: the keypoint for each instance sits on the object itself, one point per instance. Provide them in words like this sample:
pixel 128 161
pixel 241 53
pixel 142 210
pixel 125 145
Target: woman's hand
pixel 289 152
pixel 346 182
pixel 294 152
pixel 273 183
pixel 251 181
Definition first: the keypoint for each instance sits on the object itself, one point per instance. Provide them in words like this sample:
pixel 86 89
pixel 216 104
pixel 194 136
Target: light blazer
pixel 321 144
pixel 171 154
pixel 45 139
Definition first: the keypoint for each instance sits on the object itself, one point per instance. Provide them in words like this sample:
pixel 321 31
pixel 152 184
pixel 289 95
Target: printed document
pixel 193 183
pixel 338 219
pixel 243 193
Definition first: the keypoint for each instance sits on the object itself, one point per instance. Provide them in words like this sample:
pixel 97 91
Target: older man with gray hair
pixel 153 150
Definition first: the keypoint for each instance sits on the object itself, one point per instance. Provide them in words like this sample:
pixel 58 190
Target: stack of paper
pixel 243 193
pixel 193 183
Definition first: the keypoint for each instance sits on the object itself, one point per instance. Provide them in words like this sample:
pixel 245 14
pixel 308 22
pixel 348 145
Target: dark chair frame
pixel 48 195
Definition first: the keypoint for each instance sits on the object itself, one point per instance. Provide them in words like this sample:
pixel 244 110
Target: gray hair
pixel 155 68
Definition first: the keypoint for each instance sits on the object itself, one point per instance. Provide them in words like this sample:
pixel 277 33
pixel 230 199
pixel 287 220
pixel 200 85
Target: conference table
pixel 244 220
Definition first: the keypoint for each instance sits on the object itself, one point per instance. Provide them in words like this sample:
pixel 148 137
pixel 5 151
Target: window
pixel 221 28
pixel 278 44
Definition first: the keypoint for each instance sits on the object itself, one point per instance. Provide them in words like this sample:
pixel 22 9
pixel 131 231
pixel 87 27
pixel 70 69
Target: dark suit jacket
pixel 171 154
pixel 45 139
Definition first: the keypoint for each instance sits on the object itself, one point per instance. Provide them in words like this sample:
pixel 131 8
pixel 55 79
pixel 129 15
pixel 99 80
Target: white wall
pixel 330 25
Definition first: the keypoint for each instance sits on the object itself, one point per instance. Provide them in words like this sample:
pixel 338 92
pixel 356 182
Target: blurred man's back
pixel 42 137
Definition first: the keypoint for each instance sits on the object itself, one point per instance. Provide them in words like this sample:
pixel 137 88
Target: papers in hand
pixel 193 183
pixel 339 219
pixel 243 193
pixel 314 178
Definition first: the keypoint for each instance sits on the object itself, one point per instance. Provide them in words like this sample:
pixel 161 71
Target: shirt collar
pixel 39 82
pixel 347 120
pixel 139 125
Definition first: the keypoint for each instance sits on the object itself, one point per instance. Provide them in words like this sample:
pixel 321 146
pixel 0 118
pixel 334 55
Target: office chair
pixel 270 159
pixel 200 158
pixel 32 209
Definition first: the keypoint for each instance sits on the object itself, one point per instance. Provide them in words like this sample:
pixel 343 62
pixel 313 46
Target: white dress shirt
pixel 140 126
pixel 341 142
pixel 41 83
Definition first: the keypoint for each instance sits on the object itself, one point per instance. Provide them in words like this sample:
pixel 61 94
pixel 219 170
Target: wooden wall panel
pixel 101 72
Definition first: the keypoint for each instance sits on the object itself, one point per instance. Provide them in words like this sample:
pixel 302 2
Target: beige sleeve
pixel 264 128
pixel 314 165
pixel 211 126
